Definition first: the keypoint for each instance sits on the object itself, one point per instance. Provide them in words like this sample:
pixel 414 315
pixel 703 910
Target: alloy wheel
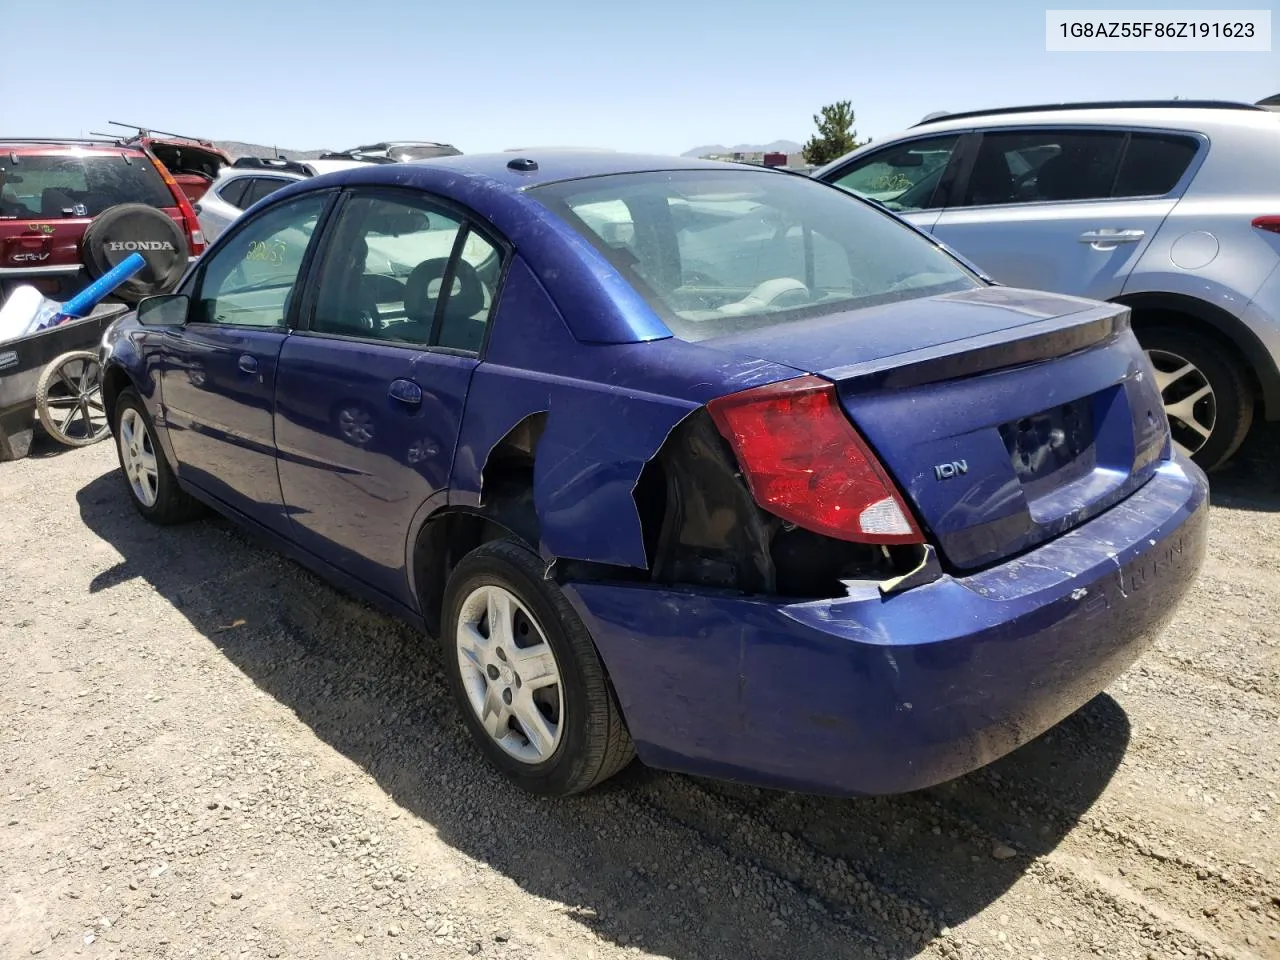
pixel 510 674
pixel 1188 400
pixel 138 457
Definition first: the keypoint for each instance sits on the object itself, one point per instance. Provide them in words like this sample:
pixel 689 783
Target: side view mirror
pixel 165 310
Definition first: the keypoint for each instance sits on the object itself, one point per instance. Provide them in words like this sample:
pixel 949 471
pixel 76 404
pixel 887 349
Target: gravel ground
pixel 209 753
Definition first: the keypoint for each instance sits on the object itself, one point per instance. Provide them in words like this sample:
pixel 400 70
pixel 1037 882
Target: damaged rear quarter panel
pixel 609 409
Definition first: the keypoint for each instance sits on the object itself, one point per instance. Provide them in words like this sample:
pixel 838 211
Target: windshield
pixel 717 252
pixel 51 186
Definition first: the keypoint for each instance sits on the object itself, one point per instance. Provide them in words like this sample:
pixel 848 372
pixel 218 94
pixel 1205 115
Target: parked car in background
pixel 706 462
pixel 194 163
pixel 70 210
pixel 248 180
pixel 1171 208
pixel 395 151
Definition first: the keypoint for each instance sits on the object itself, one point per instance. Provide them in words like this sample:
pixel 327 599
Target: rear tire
pixel 1209 425
pixel 580 739
pixel 152 486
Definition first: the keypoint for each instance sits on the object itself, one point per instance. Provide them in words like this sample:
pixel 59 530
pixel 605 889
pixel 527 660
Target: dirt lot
pixel 209 753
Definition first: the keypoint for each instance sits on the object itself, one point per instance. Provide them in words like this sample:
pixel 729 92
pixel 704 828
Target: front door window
pixel 904 177
pixel 248 281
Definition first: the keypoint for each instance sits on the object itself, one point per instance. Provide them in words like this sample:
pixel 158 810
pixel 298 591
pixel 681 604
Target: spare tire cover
pixel 136 228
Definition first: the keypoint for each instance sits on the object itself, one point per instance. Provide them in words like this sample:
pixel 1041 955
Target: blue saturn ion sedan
pixel 715 465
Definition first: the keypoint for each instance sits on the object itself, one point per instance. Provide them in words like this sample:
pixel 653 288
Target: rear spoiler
pixel 1046 339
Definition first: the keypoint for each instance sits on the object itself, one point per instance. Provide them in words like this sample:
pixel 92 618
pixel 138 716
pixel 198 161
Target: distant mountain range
pixel 237 149
pixel 777 146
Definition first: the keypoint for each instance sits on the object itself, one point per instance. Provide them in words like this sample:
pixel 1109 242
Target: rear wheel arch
pixel 1244 347
pixel 506 511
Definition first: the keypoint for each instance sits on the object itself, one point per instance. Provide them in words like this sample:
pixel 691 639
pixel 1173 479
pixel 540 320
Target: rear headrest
pixel 466 299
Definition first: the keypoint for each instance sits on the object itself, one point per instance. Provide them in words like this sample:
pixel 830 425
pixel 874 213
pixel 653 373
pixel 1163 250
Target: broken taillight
pixel 804 462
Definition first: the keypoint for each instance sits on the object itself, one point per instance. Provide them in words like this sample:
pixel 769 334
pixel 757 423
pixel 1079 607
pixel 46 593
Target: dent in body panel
pixel 628 473
pixel 607 411
pixel 586 464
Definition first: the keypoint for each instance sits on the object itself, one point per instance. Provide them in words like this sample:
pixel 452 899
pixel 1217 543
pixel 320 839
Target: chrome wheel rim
pixel 510 674
pixel 74 408
pixel 138 457
pixel 1188 399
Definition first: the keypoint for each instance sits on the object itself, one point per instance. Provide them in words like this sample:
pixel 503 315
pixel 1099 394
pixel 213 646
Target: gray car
pixel 247 181
pixel 1172 208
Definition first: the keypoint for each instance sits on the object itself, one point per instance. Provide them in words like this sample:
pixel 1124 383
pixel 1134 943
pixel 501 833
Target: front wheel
pixel 526 675
pixel 152 486
pixel 1205 394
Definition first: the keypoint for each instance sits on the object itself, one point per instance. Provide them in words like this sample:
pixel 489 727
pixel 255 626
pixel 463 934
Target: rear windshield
pixel 717 252
pixel 80 185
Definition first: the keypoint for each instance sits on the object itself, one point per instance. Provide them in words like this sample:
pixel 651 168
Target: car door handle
pixel 405 392
pixel 248 364
pixel 1112 236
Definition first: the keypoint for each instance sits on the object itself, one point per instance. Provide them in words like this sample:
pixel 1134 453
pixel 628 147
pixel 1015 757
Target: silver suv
pixel 1170 207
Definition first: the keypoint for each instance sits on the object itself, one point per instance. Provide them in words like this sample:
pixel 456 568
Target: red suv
pixel 194 163
pixel 70 210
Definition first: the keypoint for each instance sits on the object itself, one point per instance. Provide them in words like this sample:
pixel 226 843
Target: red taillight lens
pixel 195 236
pixel 804 462
pixel 1271 224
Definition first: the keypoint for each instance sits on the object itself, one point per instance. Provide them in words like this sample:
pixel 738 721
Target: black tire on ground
pixel 1232 394
pixel 135 227
pixel 594 744
pixel 172 503
pixel 69 400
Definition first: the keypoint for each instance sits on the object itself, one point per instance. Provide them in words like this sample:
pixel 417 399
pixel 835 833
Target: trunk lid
pixel 1005 416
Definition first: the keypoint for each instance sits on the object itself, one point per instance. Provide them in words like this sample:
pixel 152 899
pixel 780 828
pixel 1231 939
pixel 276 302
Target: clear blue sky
pixel 655 75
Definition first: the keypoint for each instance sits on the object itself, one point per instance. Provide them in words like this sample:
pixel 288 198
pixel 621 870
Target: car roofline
pixel 942 116
pixel 512 169
pixel 111 143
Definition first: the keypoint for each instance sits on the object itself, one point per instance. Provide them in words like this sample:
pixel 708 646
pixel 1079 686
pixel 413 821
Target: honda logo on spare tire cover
pixel 132 245
pixel 121 231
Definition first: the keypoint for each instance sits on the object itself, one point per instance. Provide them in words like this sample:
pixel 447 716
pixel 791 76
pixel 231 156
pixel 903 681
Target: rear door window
pixel 1044 166
pixel 384 276
pixel 234 191
pixel 52 186
pixel 262 187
